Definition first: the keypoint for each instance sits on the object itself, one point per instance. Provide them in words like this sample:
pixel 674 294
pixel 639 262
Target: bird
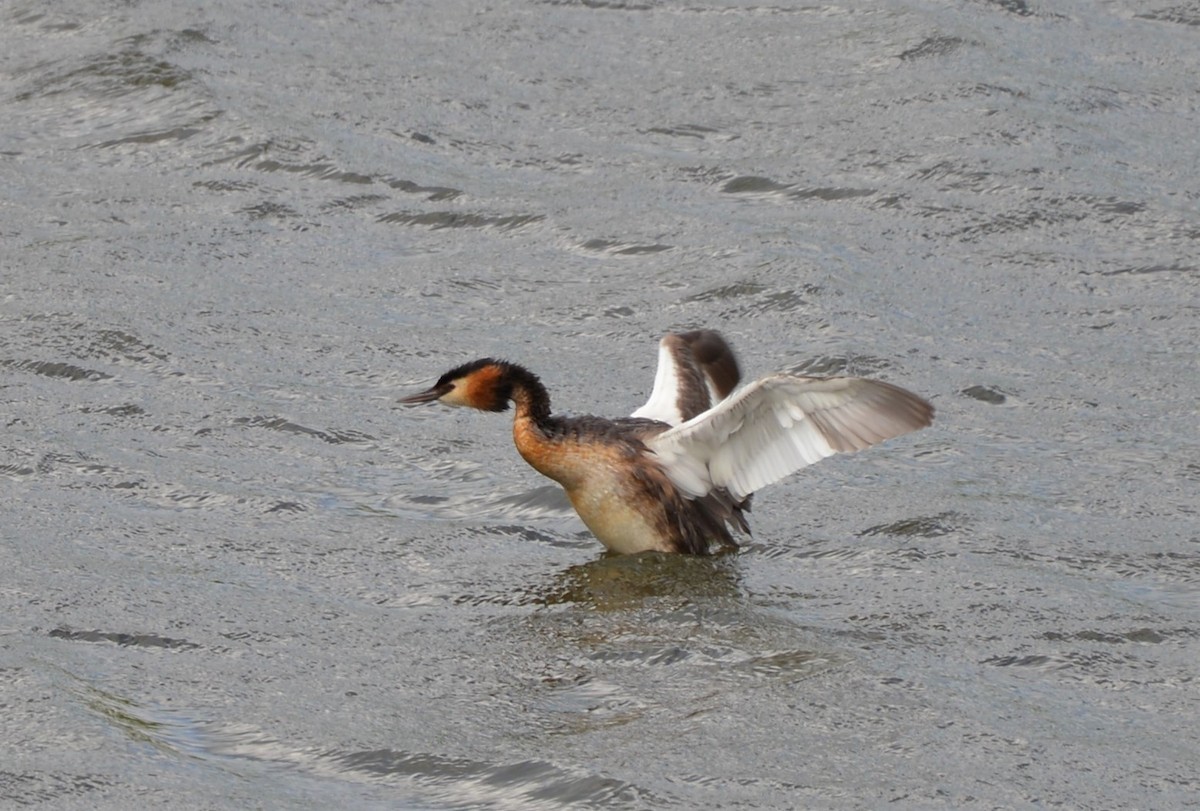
pixel 677 475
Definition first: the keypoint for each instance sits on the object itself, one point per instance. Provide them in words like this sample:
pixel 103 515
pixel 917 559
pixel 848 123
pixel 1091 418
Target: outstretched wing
pixel 695 370
pixel 781 423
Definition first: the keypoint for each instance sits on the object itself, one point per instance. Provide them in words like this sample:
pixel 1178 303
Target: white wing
pixel 695 370
pixel 663 404
pixel 781 423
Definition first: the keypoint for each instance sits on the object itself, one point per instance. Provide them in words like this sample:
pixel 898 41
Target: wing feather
pixel 780 424
pixel 695 370
pixel 664 397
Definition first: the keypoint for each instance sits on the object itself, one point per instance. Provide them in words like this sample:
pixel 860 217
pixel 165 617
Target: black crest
pixel 509 377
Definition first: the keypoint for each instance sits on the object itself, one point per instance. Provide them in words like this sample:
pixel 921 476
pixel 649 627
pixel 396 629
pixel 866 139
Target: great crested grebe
pixel 678 473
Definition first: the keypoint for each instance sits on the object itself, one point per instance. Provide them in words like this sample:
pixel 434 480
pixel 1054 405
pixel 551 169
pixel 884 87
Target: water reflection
pixel 621 582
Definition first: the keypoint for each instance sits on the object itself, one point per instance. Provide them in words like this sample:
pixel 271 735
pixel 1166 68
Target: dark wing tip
pixel 912 409
pixel 875 412
pixel 716 358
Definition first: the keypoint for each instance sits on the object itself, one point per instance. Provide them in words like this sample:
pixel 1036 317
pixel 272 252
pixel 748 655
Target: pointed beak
pixel 427 396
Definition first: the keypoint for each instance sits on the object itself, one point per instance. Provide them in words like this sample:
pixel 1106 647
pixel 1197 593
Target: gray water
pixel 235 574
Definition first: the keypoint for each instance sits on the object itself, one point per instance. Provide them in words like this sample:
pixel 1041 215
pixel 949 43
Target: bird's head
pixel 485 384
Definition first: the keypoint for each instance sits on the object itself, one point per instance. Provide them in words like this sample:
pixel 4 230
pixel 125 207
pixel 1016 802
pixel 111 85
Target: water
pixel 237 575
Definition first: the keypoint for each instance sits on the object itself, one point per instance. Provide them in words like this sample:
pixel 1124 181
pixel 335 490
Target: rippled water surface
pixel 236 574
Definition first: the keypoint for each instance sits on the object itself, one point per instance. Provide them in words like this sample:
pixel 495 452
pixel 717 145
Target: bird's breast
pixel 619 518
pixel 561 457
pixel 598 477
